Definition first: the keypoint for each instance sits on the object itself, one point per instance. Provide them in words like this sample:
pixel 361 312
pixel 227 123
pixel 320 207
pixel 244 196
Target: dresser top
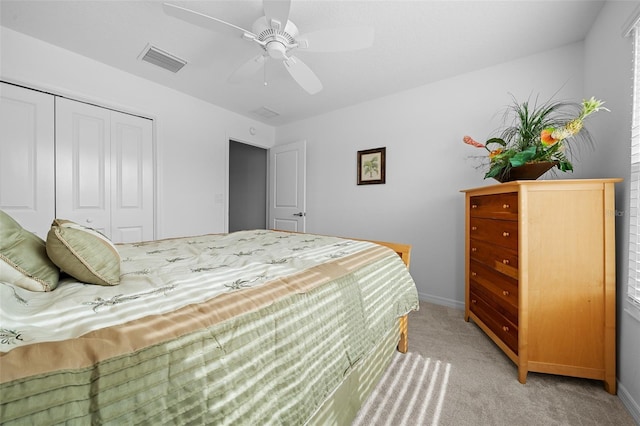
pixel 542 185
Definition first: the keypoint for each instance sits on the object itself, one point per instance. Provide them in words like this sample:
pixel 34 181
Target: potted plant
pixel 536 137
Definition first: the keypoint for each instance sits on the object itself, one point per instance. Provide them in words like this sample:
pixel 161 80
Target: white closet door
pixel 26 157
pixel 105 170
pixel 83 163
pixel 132 216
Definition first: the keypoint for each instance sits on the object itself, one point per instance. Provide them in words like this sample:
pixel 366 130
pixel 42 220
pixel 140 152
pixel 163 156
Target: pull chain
pixel 265 73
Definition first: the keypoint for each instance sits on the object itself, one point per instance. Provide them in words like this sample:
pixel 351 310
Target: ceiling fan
pixel 278 37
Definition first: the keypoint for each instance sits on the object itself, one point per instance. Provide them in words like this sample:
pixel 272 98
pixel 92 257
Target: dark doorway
pixel 247 187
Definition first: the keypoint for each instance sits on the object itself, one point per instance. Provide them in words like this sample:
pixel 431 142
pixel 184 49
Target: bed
pixel 251 327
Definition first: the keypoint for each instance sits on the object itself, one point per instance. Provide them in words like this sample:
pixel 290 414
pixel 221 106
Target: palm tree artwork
pixel 371 166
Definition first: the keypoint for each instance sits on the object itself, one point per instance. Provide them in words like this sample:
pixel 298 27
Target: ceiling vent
pixel 160 58
pixel 265 112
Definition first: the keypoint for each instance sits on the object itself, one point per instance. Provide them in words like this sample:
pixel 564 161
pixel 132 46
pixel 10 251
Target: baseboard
pixel 441 301
pixel 629 403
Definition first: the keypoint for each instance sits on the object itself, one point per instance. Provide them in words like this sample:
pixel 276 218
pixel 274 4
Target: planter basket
pixel 529 171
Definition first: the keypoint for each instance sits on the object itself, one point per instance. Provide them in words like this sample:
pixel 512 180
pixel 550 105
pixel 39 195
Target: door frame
pixel 230 137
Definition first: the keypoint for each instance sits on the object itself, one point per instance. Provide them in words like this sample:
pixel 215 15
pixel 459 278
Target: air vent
pixel 160 58
pixel 265 112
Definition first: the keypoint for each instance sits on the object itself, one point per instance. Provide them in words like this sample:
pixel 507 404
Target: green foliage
pixel 535 133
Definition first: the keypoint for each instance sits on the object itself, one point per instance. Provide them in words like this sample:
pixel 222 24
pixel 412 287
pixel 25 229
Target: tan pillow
pixel 23 258
pixel 84 253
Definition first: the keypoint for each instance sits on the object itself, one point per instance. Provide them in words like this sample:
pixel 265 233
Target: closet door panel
pixel 26 157
pixel 132 178
pixel 83 162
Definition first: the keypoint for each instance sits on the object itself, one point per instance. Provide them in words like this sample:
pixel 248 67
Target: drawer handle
pixel 474 301
pixel 474 249
pixel 473 274
pixel 505 261
pixel 505 206
pixel 505 234
pixel 505 328
pixel 474 206
pixel 474 228
pixel 505 292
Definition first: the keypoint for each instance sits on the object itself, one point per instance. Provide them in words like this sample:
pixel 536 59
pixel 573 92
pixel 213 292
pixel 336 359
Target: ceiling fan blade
pixel 204 21
pixel 247 69
pixel 337 39
pixel 303 75
pixel 276 12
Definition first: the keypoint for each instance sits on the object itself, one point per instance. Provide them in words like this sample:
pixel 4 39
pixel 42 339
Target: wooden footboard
pixel 403 344
pixel 403 250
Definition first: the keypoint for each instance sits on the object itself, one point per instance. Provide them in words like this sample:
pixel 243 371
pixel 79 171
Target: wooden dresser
pixel 540 274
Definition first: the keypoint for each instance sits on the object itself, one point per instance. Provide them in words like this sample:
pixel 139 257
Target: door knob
pixel 300 214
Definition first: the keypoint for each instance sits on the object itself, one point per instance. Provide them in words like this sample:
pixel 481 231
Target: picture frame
pixel 371 166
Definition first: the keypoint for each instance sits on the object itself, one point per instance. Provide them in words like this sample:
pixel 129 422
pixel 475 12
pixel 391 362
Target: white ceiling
pixel 416 43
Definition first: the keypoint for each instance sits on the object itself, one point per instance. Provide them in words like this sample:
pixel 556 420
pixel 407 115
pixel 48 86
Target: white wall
pixel 608 65
pixel 427 163
pixel 191 135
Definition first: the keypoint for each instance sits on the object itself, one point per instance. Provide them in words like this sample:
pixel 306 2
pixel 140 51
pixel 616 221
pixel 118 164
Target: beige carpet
pixel 454 375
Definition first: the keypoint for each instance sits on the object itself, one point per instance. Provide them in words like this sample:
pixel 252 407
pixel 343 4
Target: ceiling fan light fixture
pixel 276 50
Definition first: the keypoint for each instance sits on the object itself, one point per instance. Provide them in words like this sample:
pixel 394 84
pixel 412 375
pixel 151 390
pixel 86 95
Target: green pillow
pixel 23 258
pixel 84 253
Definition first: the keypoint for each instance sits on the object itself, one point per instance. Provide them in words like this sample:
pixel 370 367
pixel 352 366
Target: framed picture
pixel 371 166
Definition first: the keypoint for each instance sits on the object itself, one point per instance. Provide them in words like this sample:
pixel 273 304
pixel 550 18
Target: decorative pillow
pixel 84 253
pixel 23 258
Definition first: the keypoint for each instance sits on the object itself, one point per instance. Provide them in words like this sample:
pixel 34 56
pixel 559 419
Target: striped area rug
pixel 411 392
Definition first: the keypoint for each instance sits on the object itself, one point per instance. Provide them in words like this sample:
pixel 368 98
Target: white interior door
pixel 287 187
pixel 83 162
pixel 132 183
pixel 26 157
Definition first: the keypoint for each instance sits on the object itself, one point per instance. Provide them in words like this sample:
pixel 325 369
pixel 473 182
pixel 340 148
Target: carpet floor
pixel 454 374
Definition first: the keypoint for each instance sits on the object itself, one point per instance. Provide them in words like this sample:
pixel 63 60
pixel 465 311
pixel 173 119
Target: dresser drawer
pixel 498 304
pixel 500 258
pixel 503 287
pixel 501 326
pixel 494 205
pixel 499 232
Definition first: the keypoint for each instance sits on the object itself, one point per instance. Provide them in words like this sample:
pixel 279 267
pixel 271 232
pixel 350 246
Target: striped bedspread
pixel 253 327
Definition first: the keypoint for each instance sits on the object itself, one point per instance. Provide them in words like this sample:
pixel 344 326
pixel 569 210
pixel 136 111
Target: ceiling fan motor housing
pixel 275 42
